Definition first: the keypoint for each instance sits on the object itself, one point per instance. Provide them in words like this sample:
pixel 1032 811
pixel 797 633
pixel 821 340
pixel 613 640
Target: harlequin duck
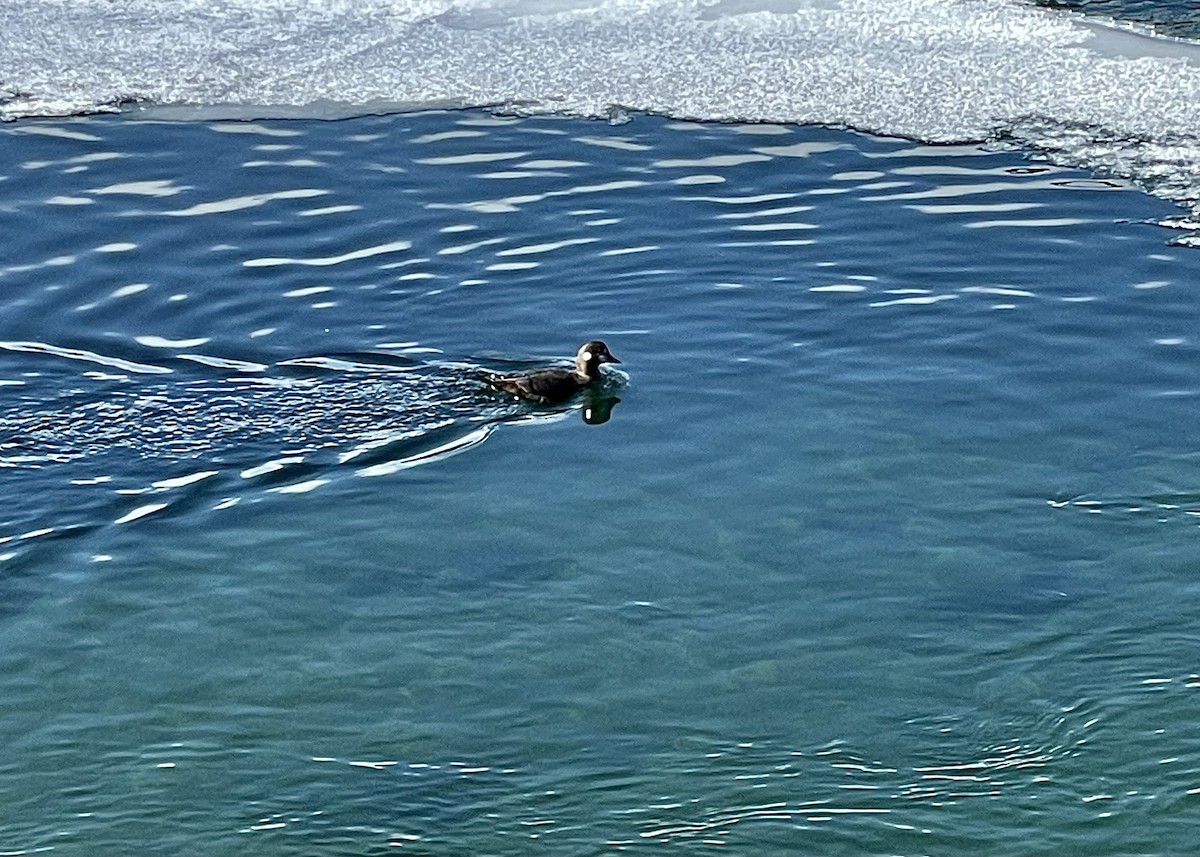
pixel 551 386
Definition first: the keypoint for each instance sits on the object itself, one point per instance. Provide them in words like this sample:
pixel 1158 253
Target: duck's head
pixel 590 356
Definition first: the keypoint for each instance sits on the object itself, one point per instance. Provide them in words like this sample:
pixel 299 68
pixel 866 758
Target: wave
pixel 125 450
pixel 1076 91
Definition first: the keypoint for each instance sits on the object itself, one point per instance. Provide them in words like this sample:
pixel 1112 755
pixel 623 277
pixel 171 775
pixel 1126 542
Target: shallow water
pixel 888 545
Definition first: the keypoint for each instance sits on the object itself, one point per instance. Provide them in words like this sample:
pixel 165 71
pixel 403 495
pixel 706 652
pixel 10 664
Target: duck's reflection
pixel 597 409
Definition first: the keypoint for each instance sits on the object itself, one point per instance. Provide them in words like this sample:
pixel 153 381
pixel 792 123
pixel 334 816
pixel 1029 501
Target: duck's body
pixel 551 386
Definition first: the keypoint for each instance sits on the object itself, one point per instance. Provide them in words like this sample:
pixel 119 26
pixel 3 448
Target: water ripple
pixel 322 261
pixel 239 203
pixel 86 356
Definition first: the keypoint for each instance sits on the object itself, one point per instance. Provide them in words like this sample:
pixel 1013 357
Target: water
pixel 1112 91
pixel 1179 19
pixel 880 549
pixel 881 542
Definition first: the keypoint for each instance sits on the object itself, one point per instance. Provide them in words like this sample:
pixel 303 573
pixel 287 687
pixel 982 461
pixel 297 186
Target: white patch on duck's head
pixel 589 357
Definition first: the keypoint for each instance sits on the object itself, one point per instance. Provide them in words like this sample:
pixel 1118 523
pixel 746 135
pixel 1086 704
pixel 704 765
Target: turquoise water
pixel 887 547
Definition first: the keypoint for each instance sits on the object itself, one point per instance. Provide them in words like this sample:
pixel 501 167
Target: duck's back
pixel 548 385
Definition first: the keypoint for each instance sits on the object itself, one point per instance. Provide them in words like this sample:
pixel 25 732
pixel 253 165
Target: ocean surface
pixel 881 539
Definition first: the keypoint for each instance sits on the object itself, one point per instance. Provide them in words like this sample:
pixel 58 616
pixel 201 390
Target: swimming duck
pixel 551 386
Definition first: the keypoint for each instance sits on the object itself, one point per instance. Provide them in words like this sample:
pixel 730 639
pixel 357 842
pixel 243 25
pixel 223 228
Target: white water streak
pixel 321 261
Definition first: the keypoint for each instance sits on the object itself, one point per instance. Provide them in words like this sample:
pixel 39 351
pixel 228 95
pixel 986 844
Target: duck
pixel 552 386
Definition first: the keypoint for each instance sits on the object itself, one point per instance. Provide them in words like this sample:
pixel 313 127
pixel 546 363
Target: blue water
pixel 887 546
pixel 1175 18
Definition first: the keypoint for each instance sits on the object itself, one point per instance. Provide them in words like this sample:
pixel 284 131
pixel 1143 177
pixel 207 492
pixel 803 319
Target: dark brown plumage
pixel 551 386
